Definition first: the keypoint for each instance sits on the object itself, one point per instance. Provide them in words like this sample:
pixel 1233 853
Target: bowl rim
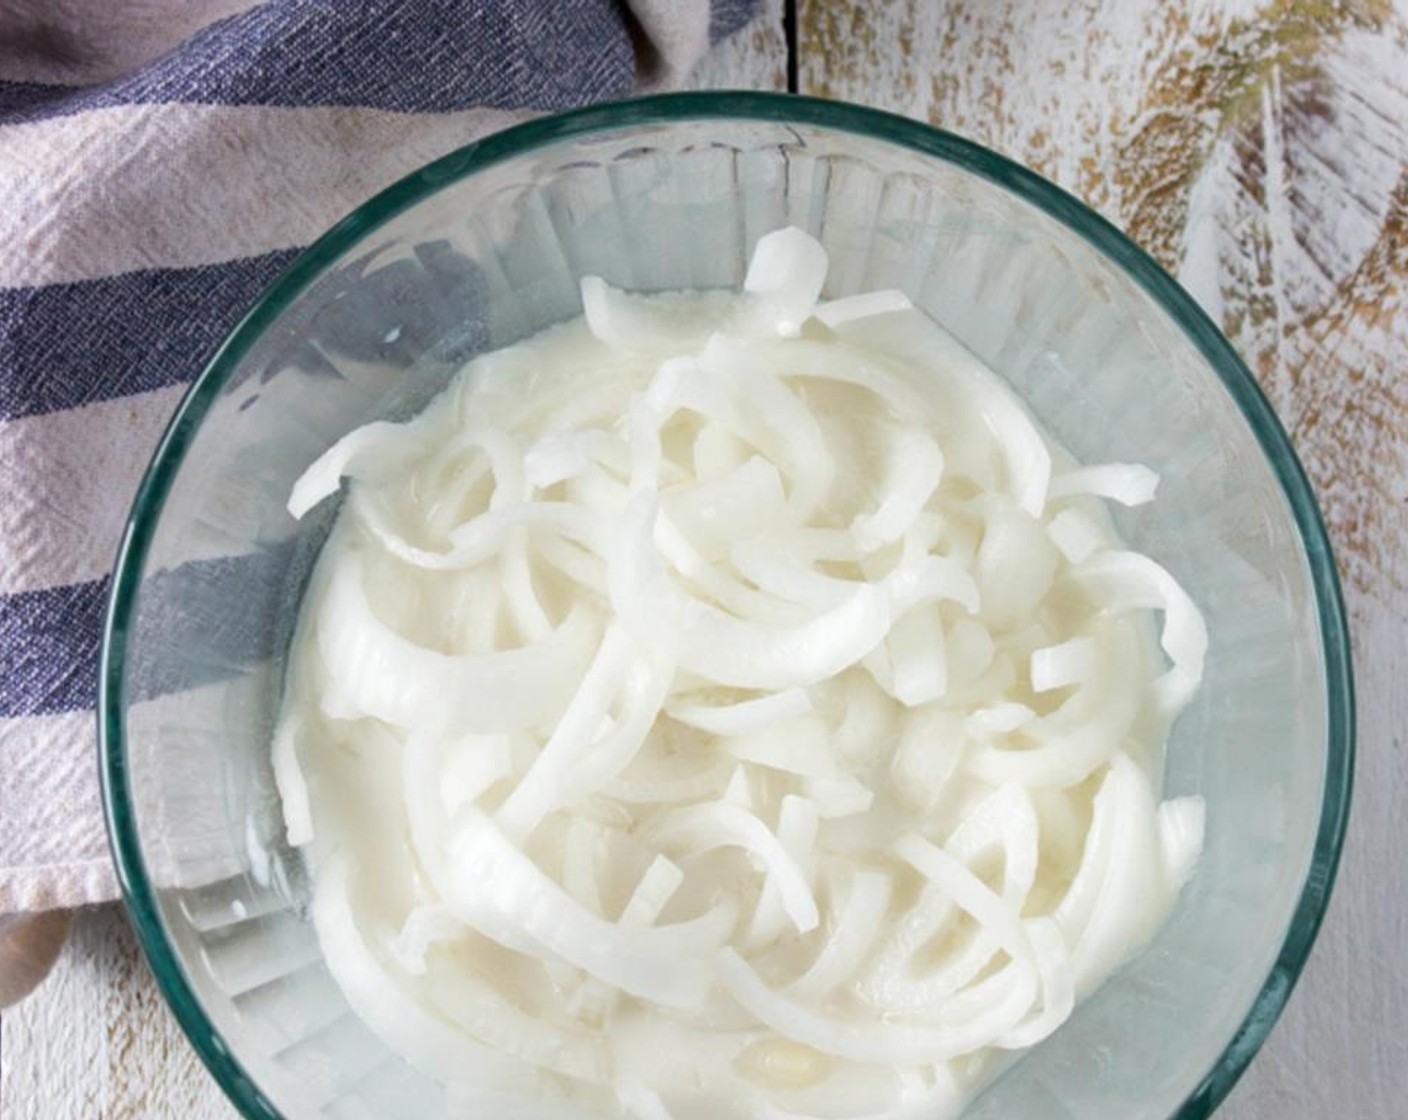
pixel 746 106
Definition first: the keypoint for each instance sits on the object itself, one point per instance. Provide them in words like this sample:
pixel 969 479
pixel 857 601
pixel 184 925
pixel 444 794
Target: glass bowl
pixel 486 246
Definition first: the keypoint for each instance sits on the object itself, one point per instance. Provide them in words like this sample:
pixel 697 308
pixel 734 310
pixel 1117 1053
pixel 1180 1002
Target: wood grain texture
pixel 97 1043
pixel 1259 149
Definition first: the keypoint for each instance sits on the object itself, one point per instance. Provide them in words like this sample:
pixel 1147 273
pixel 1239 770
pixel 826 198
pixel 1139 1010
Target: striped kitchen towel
pixel 160 162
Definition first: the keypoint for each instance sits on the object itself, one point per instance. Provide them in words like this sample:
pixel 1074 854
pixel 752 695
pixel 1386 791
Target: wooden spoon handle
pixel 29 945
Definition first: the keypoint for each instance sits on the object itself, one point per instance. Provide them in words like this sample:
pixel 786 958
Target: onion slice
pixel 701 828
pixel 785 277
pixel 376 672
pixel 497 890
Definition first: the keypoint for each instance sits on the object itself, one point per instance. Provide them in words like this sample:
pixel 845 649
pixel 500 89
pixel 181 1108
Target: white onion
pixel 437 1048
pixel 381 674
pixel 915 467
pixel 702 828
pixel 785 277
pixel 373 447
pixel 292 786
pixel 1076 534
pixel 797 825
pixel 1130 581
pixel 1130 484
pixel 663 631
pixel 745 716
pixel 1068 663
pixel 853 931
pixel 545 785
pixel 875 1041
pixel 838 311
pixel 497 890
pixel 740 504
pixel 623 319
pixel 801 745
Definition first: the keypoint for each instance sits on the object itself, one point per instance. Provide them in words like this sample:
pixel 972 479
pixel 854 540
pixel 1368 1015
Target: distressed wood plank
pixel 1259 149
pixel 96 1041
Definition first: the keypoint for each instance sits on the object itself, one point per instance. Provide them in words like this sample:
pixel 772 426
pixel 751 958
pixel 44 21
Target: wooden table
pixel 1259 149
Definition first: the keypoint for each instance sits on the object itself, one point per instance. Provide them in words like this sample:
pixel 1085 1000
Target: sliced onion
pixel 520 593
pixel 927 755
pixel 1085 732
pixel 371 449
pixel 854 929
pixel 845 633
pixel 424 927
pixel 876 1041
pixel 940 1099
pixel 1016 564
pixel 715 582
pixel 745 716
pixel 917 656
pixel 736 653
pixel 656 321
pixel 739 790
pixel 1182 827
pixel 1076 534
pixel 434 1045
pixel 1119 895
pixel 481 537
pixel 701 828
pixel 740 504
pixel 580 850
pixel 801 745
pixel 1058 988
pixel 765 411
pixel 473 1005
pixel 805 360
pixel 292 785
pixel 439 777
pixel 1000 718
pixel 379 673
pixel 1130 484
pixel 765 562
pixel 785 277
pixel 469 765
pixel 689 784
pixel 797 826
pixel 837 798
pixel 917 340
pixel 1069 663
pixel 837 311
pixel 500 892
pixel 991 911
pixel 1129 581
pixel 545 786
pixel 652 893
pixel 641 1102
pixel 567 455
pixel 717 451
pixel 914 467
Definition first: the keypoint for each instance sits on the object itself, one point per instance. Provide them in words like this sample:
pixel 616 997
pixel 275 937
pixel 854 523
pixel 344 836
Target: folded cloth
pixel 160 162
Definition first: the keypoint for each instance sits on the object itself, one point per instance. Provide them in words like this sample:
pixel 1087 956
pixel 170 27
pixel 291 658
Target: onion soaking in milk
pixel 730 706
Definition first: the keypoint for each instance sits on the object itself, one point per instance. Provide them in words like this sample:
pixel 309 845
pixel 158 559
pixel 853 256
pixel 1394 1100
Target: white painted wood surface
pixel 1259 148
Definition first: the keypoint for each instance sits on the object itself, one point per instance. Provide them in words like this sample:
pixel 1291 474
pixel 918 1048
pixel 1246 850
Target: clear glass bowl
pixel 486 246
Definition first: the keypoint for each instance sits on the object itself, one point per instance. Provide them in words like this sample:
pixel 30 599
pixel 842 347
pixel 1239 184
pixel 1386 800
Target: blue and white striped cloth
pixel 160 162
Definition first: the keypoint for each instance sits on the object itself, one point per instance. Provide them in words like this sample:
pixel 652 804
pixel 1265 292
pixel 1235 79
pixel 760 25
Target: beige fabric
pixel 78 42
